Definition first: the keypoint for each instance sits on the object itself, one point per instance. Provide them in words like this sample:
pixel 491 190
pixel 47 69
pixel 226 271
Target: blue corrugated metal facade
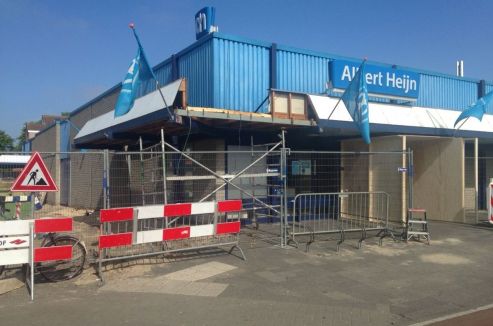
pixel 452 93
pixel 163 73
pixel 300 72
pixel 489 88
pixel 242 71
pixel 241 74
pixel 196 66
pixel 235 73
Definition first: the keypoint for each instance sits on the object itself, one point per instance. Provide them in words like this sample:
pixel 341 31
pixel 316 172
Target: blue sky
pixel 57 55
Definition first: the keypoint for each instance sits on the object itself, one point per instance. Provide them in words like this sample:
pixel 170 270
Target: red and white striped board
pixel 17 243
pixel 186 209
pixel 15 235
pixel 54 225
pixel 17 210
pixel 185 232
pixel 168 234
pixel 170 210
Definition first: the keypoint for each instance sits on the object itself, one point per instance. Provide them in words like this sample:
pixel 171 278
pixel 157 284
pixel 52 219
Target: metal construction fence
pixel 141 231
pixel 353 172
pixel 478 172
pixel 340 212
pixel 79 177
pixel 270 180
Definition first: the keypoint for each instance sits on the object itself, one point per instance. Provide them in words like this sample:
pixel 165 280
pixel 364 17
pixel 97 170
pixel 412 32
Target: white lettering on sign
pixel 200 23
pixel 404 82
pixel 374 79
pixel 348 74
pixel 371 79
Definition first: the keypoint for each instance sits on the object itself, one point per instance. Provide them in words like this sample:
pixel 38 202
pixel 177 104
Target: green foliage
pixel 6 142
pixel 21 138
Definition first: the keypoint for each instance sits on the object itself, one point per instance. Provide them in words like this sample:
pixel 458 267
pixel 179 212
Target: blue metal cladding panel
pixel 300 72
pixel 446 92
pixel 241 75
pixel 196 66
pixel 489 108
pixel 305 73
pixel 163 75
pixel 489 88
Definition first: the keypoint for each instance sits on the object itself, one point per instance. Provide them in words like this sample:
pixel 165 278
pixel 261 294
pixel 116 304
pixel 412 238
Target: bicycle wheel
pixel 62 270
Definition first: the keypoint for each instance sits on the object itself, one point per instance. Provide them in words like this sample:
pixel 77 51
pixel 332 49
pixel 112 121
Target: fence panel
pixel 334 172
pixel 325 213
pixel 137 178
pixel 151 177
pixel 479 214
pixel 79 178
pixel 140 231
pixel 266 181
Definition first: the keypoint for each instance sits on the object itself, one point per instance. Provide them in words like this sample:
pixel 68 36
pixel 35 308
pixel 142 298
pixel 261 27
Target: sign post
pixel 30 267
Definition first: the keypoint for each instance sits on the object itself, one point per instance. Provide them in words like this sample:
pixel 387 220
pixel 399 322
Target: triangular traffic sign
pixel 34 177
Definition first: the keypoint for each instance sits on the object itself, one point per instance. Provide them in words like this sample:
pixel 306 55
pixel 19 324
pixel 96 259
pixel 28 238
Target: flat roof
pixel 147 109
pixel 14 159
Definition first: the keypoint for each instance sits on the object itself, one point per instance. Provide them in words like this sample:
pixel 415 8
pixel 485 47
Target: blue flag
pixel 138 72
pixel 355 99
pixel 477 109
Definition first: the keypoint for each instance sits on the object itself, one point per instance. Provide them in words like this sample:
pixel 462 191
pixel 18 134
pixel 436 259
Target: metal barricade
pixel 134 232
pixel 339 212
pixel 18 246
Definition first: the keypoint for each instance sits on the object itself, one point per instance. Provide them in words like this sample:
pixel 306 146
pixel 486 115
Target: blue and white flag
pixel 355 99
pixel 138 72
pixel 477 109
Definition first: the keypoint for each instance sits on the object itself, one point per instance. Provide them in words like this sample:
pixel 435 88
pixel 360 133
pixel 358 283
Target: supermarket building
pixel 223 91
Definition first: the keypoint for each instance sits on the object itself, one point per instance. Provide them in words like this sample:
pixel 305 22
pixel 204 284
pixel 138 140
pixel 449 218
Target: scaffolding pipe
pixel 163 154
pixel 221 177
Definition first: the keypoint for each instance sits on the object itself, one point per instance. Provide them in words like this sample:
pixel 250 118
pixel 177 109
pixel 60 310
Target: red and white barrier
pixel 17 210
pixel 17 243
pixel 166 211
pixel 208 222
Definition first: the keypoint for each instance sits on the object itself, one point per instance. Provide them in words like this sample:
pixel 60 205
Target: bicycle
pixel 56 271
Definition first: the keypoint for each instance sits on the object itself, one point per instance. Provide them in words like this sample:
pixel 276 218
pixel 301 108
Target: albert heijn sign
pixel 381 81
pixel 34 177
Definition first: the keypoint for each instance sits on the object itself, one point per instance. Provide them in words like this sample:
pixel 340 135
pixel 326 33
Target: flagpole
pixel 132 27
pixel 335 107
pixel 340 98
pixel 463 123
pixel 455 130
pixel 162 96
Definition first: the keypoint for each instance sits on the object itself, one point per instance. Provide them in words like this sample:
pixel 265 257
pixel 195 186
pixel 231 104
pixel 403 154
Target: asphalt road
pixel 396 284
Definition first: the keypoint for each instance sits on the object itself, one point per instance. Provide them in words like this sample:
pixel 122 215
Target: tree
pixel 21 138
pixel 6 142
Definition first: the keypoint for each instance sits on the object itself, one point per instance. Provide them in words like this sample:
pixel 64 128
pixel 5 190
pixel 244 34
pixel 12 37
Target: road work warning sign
pixel 34 177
